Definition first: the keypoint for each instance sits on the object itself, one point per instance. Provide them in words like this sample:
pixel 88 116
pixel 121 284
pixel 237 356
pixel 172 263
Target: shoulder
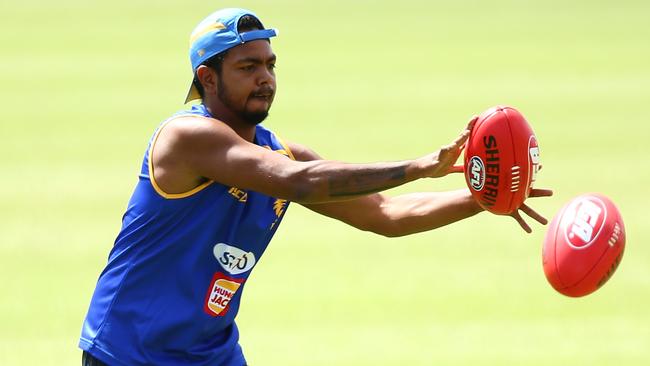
pixel 185 139
pixel 187 124
pixel 191 129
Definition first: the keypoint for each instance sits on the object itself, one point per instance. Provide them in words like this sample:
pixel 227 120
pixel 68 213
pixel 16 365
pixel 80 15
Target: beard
pixel 251 117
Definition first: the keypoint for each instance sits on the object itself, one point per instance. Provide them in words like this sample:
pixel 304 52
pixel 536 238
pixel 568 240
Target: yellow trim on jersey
pixel 286 148
pixel 152 178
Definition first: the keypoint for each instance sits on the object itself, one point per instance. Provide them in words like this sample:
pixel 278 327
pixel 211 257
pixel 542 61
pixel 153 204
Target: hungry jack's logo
pixel 221 291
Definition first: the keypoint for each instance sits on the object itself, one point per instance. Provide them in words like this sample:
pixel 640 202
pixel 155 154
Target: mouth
pixel 266 97
pixel 265 94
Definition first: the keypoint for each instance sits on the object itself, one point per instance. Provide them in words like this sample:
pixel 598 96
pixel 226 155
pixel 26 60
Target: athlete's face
pixel 246 84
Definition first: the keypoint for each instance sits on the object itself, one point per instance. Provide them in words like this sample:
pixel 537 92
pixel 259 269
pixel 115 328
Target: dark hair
pixel 246 23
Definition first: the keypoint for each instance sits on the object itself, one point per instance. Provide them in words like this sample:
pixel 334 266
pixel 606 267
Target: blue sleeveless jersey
pixel 174 279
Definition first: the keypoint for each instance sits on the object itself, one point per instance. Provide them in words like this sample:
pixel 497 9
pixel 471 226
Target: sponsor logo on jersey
pixel 476 173
pixel 232 259
pixel 240 195
pixel 221 291
pixel 585 219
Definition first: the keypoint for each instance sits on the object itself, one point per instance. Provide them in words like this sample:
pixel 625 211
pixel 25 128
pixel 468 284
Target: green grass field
pixel 83 84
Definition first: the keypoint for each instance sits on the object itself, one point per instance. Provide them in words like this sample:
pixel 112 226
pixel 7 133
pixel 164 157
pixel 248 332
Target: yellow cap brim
pixel 192 94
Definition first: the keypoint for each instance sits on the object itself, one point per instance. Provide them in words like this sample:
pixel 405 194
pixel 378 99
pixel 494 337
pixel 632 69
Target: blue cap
pixel 218 33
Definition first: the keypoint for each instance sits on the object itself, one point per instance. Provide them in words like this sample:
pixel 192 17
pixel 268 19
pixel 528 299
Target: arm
pixel 191 150
pixel 402 215
pixel 395 216
pixel 409 213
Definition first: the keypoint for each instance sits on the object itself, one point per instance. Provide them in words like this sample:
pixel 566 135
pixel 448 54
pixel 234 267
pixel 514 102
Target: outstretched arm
pixel 395 216
pixel 192 150
pixel 409 213
pixel 402 215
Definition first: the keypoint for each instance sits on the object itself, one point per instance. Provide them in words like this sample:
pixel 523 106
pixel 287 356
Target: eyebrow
pixel 255 60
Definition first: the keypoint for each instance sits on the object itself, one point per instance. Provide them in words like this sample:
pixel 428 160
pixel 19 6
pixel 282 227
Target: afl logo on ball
pixel 476 173
pixel 584 220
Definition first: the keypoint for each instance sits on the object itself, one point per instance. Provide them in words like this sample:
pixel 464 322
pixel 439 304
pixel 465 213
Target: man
pixel 213 188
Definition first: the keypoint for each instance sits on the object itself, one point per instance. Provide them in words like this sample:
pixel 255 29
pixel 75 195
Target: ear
pixel 208 78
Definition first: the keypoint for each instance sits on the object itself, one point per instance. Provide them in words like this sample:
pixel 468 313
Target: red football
pixel 501 160
pixel 583 246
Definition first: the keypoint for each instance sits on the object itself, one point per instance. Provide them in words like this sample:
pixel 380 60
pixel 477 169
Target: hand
pixel 445 158
pixel 529 211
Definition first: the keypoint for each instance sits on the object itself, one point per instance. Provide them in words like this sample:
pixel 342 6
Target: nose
pixel 266 76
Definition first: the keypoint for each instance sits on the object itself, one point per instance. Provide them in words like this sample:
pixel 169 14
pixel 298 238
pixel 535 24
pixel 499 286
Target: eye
pixel 272 66
pixel 249 67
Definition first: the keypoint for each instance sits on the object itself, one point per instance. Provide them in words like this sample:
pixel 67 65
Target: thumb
pixel 457 169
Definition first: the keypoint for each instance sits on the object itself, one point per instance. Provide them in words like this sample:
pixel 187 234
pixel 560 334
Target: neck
pixel 244 129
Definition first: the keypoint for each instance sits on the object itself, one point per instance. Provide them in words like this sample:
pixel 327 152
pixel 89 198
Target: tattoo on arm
pixel 366 182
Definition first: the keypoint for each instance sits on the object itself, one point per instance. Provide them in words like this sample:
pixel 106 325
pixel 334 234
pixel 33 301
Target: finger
pixel 462 147
pixel 464 135
pixel 456 169
pixel 533 214
pixel 521 222
pixel 460 140
pixel 468 132
pixel 471 123
pixel 535 192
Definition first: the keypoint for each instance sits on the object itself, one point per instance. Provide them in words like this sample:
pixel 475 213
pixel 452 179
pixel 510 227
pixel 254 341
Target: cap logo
pixel 201 52
pixel 207 29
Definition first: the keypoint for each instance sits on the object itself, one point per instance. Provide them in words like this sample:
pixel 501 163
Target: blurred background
pixel 84 83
